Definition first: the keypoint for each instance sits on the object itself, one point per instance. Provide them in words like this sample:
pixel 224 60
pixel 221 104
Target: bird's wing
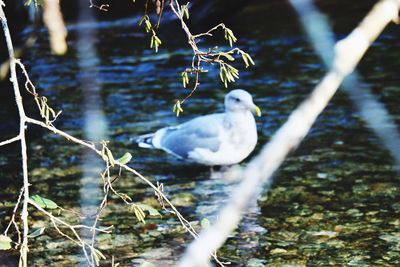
pixel 202 132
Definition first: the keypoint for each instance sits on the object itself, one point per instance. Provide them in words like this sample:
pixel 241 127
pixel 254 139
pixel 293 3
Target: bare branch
pixel 102 7
pixel 76 238
pixel 209 32
pixel 24 156
pixel 63 134
pixel 12 220
pixel 71 227
pixel 9 141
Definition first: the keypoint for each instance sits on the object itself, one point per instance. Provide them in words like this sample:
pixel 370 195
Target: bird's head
pixel 240 100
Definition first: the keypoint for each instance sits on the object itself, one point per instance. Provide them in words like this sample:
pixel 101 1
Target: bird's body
pixel 216 139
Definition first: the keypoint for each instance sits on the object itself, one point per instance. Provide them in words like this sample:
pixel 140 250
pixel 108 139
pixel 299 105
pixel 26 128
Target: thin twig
pixel 103 204
pixel 9 141
pixel 102 7
pixel 209 32
pixel 185 223
pixel 63 134
pixel 73 228
pixel 41 102
pixel 12 220
pixel 209 56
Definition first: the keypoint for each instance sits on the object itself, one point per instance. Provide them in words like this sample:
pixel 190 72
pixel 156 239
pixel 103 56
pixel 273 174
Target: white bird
pixel 216 139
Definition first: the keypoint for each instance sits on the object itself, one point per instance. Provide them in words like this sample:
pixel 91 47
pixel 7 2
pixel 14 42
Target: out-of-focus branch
pixel 53 19
pixel 371 110
pixel 260 170
pixel 18 51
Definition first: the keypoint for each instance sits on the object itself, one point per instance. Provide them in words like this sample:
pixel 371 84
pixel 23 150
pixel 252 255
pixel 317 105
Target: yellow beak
pixel 257 111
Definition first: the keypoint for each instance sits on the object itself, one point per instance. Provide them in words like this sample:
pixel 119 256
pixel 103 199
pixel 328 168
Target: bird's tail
pixel 145 141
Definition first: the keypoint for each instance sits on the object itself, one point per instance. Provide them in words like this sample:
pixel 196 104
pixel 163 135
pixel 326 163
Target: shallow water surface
pixel 335 201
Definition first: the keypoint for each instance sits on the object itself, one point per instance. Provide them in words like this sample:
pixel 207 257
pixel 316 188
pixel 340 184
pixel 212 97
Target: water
pixel 336 200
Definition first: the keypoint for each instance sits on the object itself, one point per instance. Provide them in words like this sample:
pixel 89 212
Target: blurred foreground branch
pixel 53 19
pixel 258 173
pixel 371 110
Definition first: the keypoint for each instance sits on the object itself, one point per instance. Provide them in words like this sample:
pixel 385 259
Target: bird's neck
pixel 238 118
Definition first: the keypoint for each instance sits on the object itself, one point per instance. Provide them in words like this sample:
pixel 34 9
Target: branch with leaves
pixel 228 73
pixel 92 254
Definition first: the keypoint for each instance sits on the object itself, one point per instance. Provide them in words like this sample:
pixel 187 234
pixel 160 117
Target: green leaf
pixel 229 57
pixel 185 78
pixel 141 21
pixel 157 42
pixel 229 77
pixel 251 60
pixel 205 223
pixel 98 255
pixel 245 60
pixel 229 74
pixel 110 157
pixel 230 36
pixel 148 25
pixel 221 74
pixel 177 108
pixel 233 71
pixel 125 158
pixel 5 242
pixel 36 232
pixel 185 11
pixel 151 41
pixel 140 215
pixel 44 202
pixel 152 211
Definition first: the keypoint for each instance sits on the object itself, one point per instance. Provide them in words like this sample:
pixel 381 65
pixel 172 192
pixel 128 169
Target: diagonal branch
pixel 372 111
pixel 11 140
pixel 185 223
pixel 260 170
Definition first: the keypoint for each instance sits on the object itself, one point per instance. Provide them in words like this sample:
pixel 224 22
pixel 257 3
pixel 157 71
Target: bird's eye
pixel 237 99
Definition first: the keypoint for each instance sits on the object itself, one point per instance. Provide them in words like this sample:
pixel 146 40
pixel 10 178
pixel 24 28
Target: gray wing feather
pixel 201 132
